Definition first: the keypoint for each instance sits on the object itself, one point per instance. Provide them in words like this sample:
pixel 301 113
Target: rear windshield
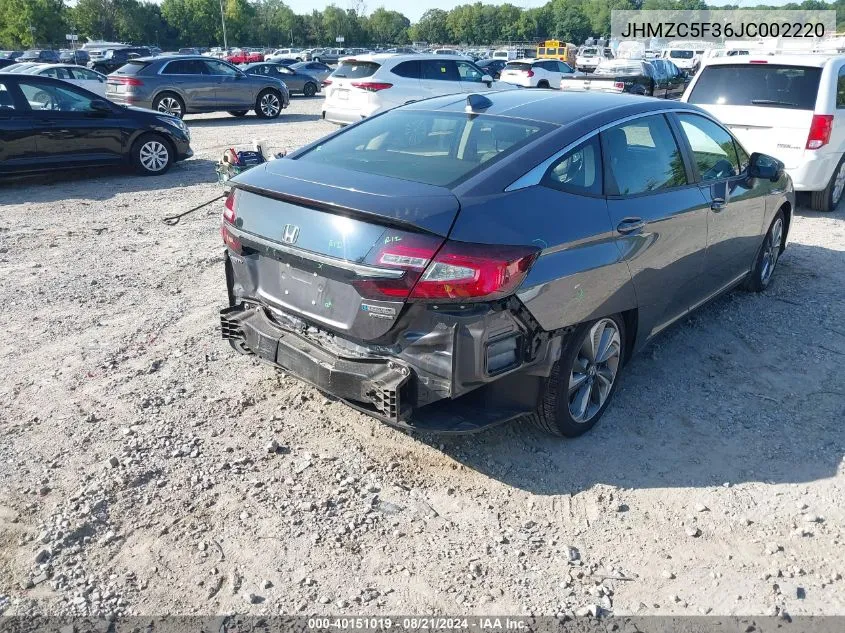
pixel 435 148
pixel 518 66
pixel 792 87
pixel 351 69
pixel 589 52
pixel 681 54
pixel 132 68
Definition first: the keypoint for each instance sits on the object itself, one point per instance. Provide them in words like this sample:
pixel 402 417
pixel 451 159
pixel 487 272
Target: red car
pixel 245 57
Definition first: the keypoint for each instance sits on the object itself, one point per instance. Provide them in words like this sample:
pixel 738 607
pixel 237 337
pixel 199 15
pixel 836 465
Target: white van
pixel 504 53
pixel 787 106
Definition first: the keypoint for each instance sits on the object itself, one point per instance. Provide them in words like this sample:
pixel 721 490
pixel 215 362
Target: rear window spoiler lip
pixel 320 205
pixel 360 270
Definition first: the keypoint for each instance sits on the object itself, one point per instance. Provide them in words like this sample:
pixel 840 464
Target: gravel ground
pixel 148 469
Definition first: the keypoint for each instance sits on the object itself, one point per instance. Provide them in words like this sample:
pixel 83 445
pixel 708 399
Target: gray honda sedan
pixel 465 260
pixel 183 84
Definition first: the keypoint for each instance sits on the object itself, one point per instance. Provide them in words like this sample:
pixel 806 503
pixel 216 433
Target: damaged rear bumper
pixel 390 388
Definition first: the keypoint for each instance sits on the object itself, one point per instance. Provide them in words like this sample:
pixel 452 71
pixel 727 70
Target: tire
pixel 554 413
pixel 169 103
pixel 543 84
pixel 316 59
pixel 310 89
pixel 152 155
pixel 828 198
pixel 767 257
pixel 238 113
pixel 268 105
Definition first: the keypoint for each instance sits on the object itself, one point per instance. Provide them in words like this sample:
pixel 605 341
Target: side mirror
pixel 487 79
pixel 100 106
pixel 765 167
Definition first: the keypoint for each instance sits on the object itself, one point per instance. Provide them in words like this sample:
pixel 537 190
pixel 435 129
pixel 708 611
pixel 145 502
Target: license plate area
pixel 342 94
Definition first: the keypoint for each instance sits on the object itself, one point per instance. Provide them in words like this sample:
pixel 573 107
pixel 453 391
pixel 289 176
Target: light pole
pixel 223 20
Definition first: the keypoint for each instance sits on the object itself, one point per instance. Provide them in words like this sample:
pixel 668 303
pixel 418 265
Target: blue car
pixel 470 259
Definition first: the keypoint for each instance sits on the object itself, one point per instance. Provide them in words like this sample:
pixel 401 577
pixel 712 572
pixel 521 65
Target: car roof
pixel 401 57
pixel 810 59
pixel 592 109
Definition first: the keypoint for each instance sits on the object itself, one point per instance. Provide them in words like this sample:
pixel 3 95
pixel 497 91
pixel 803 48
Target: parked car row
pixel 655 78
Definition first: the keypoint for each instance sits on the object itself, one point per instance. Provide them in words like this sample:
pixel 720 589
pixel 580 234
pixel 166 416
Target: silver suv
pixel 182 84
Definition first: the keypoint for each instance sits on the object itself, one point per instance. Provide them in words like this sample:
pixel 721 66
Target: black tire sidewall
pixel 563 418
pixel 261 94
pixel 309 87
pixel 161 96
pixel 756 282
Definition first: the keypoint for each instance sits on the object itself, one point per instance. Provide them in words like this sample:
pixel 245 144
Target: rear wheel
pixel 583 381
pixel 310 89
pixel 316 59
pixel 238 113
pixel 543 84
pixel 152 155
pixel 829 197
pixel 268 105
pixel 169 103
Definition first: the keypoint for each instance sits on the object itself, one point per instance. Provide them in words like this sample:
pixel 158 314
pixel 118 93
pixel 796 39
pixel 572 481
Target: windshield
pixel 793 87
pixel 435 148
pixel 589 52
pixel 681 54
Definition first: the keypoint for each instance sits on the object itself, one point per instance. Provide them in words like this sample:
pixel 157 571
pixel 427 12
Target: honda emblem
pixel 290 233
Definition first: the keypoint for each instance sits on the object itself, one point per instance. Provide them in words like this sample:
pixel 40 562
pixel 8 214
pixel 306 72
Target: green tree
pixel 432 27
pixel 30 23
pixel 388 27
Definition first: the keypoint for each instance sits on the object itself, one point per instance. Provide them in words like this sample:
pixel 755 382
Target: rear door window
pixel 7 101
pixel 185 67
pixel 641 156
pixel 469 72
pixel 840 89
pixel 442 70
pixel 772 85
pixel 712 148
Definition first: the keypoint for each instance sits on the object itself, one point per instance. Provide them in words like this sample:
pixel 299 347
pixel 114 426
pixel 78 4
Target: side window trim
pixel 547 181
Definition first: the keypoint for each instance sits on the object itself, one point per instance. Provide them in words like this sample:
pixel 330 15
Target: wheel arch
pixel 631 319
pixel 173 91
pixel 140 134
pixel 786 208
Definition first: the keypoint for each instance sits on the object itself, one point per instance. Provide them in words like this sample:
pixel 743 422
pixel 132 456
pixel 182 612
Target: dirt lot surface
pixel 148 469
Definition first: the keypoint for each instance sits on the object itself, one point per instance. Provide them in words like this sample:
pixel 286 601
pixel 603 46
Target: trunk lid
pixel 330 247
pixel 340 87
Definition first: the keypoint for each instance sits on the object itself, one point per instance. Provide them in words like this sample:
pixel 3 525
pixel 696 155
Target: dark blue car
pixel 464 260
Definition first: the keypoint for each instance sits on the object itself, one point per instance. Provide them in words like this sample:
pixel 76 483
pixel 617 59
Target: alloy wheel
pixel 839 184
pixel 594 370
pixel 153 156
pixel 170 105
pixel 771 251
pixel 270 105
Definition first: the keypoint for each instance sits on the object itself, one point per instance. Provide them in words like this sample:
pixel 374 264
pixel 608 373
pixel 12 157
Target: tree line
pixel 176 23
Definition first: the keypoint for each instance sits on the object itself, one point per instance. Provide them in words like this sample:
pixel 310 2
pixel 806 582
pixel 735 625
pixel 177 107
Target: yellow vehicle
pixel 555 49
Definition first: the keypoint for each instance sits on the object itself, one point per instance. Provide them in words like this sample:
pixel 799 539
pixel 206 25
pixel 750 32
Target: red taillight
pixel 126 81
pixel 471 272
pixel 528 73
pixel 230 207
pixel 371 86
pixel 229 217
pixel 820 129
pixel 327 82
pixel 619 85
pixel 397 249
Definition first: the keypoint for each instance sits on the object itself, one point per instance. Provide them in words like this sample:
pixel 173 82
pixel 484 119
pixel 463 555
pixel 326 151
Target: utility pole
pixel 223 20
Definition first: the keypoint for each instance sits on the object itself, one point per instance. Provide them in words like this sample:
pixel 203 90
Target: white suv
pixel 589 57
pixel 791 107
pixel 535 73
pixel 368 84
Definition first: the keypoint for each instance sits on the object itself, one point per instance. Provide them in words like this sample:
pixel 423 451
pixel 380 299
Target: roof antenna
pixel 476 103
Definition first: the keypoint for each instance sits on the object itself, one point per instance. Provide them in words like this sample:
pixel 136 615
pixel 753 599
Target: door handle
pixel 718 204
pixel 629 225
